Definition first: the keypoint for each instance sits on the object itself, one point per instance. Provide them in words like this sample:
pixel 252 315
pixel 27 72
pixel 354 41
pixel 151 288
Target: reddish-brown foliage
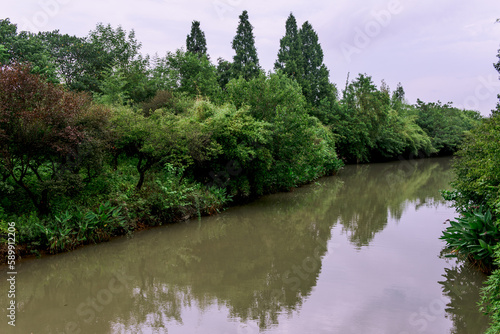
pixel 41 124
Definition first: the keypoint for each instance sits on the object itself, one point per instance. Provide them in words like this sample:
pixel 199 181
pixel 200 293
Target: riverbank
pixel 186 200
pixel 118 219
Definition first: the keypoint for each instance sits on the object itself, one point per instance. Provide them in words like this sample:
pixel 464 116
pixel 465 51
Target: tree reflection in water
pixel 462 285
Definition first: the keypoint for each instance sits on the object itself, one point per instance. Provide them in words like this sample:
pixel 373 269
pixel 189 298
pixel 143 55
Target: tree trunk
pixel 142 170
pixel 43 207
pixel 115 161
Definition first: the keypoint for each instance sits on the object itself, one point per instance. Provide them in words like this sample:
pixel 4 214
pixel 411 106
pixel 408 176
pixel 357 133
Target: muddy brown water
pixel 354 253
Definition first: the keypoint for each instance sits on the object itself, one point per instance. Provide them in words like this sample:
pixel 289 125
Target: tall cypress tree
pixel 245 62
pixel 497 67
pixel 195 42
pixel 315 82
pixel 290 59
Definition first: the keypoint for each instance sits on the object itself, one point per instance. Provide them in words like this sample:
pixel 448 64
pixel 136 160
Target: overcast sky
pixel 439 50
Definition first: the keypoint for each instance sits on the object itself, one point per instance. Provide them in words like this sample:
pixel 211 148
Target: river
pixel 358 252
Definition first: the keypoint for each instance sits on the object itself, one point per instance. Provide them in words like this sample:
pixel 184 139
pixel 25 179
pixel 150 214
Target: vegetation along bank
pixel 97 140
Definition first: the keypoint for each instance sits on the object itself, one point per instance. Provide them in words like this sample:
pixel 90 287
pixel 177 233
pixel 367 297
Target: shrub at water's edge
pixel 474 236
pixel 490 296
pixel 476 196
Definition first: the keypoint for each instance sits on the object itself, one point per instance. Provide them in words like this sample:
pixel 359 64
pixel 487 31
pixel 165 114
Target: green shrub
pixel 172 190
pixel 474 235
pixel 27 230
pixel 211 200
pixel 490 297
pixel 58 233
pixel 478 168
pixel 100 224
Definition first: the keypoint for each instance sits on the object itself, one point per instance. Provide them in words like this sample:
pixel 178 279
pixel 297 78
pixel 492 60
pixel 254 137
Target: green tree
pixel 243 157
pixel 245 61
pixel 113 87
pixel 266 95
pixel 497 67
pixel 188 73
pixel 362 113
pixel 115 46
pixel 398 97
pixel 195 41
pixel 8 36
pixel 290 59
pixel 71 56
pixel 149 139
pixel 444 124
pixel 372 126
pixel 223 72
pixel 140 85
pixel 478 169
pixel 315 82
pixel 4 55
pixel 26 47
pixel 302 148
pixel 111 48
pixel 159 138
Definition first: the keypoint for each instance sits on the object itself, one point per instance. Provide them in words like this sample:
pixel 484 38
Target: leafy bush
pixel 478 168
pixel 445 125
pixel 176 103
pixel 490 296
pixel 170 191
pixel 476 184
pixel 211 200
pixel 241 152
pixel 58 233
pixel 28 232
pixel 298 148
pixel 66 231
pixel 474 235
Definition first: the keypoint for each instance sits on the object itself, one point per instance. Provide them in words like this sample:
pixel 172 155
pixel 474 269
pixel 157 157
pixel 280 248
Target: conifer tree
pixel 398 96
pixel 315 82
pixel 497 67
pixel 245 61
pixel 290 59
pixel 195 42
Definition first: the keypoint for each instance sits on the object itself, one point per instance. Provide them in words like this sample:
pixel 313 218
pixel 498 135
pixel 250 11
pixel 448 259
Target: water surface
pixel 355 253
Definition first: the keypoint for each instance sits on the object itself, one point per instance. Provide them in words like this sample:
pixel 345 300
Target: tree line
pixel 98 140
